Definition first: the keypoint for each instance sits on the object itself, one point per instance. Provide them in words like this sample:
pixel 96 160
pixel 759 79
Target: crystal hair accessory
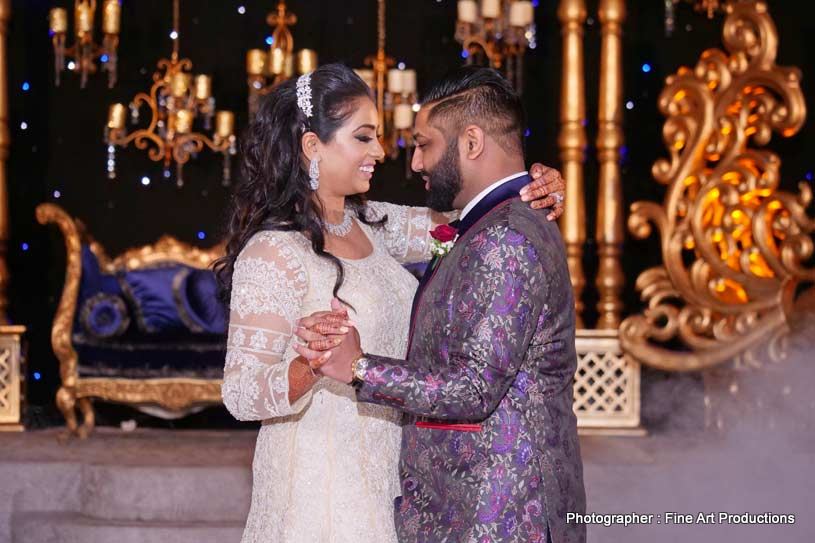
pixel 304 93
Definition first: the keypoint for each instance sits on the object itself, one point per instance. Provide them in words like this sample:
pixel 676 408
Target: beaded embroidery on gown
pixel 325 468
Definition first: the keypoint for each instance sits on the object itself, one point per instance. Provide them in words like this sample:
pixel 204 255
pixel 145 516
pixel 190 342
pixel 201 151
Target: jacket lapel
pixel 500 194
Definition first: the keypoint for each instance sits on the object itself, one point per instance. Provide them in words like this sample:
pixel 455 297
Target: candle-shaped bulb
pixel 224 124
pixel 288 66
pixel 256 62
pixel 395 81
pixel 306 61
pixel 112 17
pixel 367 76
pixel 83 19
pixel 408 81
pixel 58 20
pixel 116 116
pixel 491 9
pixel 179 84
pixel 277 61
pixel 521 13
pixel 402 116
pixel 467 11
pixel 203 87
pixel 183 121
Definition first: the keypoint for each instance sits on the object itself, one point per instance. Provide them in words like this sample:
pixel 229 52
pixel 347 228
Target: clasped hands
pixel 331 342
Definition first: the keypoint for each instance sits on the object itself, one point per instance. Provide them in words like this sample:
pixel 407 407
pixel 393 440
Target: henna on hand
pixel 301 379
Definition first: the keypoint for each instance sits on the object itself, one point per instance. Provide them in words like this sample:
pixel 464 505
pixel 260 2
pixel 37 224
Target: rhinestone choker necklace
pixel 340 230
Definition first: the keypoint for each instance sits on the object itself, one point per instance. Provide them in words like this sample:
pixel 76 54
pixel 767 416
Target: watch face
pixel 359 368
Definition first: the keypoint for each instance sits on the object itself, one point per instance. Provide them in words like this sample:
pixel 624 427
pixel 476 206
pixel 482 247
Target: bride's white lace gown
pixel 325 468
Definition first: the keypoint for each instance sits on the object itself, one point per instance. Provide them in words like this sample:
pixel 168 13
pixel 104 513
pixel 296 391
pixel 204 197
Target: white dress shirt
pixel 480 196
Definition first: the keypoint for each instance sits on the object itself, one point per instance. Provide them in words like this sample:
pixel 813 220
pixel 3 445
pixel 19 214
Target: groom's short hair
pixel 482 96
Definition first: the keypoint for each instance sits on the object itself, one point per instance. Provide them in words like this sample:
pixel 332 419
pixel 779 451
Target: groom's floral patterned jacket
pixel 490 450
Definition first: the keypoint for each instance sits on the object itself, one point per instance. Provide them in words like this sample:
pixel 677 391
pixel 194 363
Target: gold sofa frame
pixel 75 392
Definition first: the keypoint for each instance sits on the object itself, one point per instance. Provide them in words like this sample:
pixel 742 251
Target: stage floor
pixel 194 486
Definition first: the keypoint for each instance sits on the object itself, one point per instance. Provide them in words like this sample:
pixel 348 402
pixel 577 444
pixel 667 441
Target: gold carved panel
pixel 733 243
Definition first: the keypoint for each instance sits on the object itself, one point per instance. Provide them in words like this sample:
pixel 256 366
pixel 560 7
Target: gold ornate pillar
pixel 572 143
pixel 10 336
pixel 609 140
pixel 5 13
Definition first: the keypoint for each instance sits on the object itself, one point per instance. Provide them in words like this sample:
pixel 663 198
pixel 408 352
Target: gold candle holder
pixel 112 17
pixel 116 116
pixel 224 124
pixel 58 20
pixel 183 121
pixel 256 62
pixel 203 87
pixel 179 84
pixel 306 61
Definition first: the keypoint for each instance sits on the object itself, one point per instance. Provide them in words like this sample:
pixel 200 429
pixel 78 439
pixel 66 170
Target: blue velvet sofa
pixel 142 329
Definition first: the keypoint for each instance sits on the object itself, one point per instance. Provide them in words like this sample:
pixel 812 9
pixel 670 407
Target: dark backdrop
pixel 60 156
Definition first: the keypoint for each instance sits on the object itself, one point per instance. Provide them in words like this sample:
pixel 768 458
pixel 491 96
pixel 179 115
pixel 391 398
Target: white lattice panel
pixel 607 383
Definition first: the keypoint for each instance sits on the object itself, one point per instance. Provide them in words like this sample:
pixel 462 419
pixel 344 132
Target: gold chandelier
pixel 395 92
pixel 85 51
pixel 266 70
pixel 497 33
pixel 708 7
pixel 175 103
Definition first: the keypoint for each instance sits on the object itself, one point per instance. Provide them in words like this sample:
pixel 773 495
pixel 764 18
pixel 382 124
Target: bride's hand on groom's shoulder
pixel 547 189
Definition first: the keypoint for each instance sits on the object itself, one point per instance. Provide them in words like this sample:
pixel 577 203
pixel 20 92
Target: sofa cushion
pixel 174 299
pixel 198 297
pixel 104 316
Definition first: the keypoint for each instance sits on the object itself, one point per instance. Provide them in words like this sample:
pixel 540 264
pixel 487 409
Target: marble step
pixel 166 493
pixel 38 527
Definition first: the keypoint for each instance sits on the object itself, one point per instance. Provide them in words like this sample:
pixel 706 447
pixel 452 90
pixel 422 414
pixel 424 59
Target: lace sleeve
pixel 406 234
pixel 268 286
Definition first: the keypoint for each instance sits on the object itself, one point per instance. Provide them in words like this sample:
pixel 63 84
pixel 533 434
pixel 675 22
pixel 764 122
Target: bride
pixel 300 233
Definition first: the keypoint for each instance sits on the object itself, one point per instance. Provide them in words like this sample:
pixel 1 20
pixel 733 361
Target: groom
pixel 490 452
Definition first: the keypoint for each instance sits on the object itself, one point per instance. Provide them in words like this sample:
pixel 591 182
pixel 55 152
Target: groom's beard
pixel 445 179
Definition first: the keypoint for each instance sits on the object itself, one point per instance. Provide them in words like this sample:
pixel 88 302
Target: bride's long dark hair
pixel 274 192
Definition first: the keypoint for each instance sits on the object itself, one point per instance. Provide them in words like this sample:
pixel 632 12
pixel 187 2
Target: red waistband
pixel 456 427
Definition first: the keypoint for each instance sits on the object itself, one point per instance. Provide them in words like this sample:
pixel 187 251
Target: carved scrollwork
pixel 734 246
pixel 173 394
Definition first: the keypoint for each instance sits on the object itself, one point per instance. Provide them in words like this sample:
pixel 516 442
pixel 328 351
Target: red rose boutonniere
pixel 444 237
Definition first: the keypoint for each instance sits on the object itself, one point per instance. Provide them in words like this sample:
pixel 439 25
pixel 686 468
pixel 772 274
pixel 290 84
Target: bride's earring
pixel 314 174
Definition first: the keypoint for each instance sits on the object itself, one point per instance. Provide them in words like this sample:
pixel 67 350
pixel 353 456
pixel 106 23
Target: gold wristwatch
pixel 358 367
